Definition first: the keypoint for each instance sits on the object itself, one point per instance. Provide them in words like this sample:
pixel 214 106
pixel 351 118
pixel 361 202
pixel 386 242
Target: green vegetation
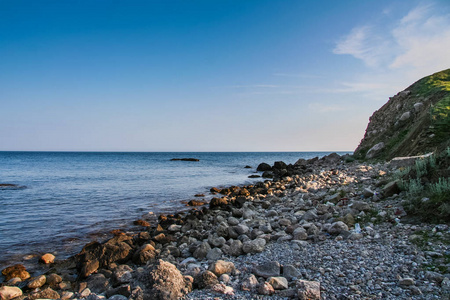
pixel 440 119
pixel 428 187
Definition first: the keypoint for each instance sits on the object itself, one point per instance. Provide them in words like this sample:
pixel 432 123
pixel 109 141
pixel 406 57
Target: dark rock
pixel 263 167
pixel 95 255
pixel 167 282
pixel 97 283
pixel 124 290
pixel 279 165
pixel 247 167
pixel 10 186
pixel 185 159
pixel 390 189
pixel 218 202
pixel 267 174
pixel 268 269
pixel 206 279
pixel 254 176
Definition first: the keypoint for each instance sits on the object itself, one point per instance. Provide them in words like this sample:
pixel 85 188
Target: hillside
pixel 413 122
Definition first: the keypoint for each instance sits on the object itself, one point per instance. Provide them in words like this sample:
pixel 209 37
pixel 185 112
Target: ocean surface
pixel 72 198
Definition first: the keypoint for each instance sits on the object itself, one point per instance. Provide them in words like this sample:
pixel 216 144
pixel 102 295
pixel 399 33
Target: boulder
pixel 214 254
pixel 375 150
pixel 338 227
pixel 290 272
pixel 47 258
pixel 144 254
pixel 97 283
pixel 263 167
pixel 53 279
pixel 255 246
pixel 265 289
pixel 206 279
pixel 361 206
pixel 300 234
pixel 249 283
pixel 202 250
pixel 391 188
pixel 235 248
pixel 308 290
pixel 268 269
pixel 37 282
pixel 9 292
pixel 167 282
pixel 221 288
pixel 405 116
pixel 278 283
pixel 279 165
pixel 15 271
pixel 222 267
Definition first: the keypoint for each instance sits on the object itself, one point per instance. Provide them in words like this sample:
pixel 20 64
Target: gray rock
pixel 406 281
pixel 361 205
pixel 268 269
pixel 202 250
pixel 278 283
pixel 310 215
pixel 232 221
pixel 300 234
pixel 405 116
pixel 255 246
pixel 118 297
pixel 214 254
pixel 375 150
pixel 338 227
pixel 391 188
pixel 235 248
pixel 216 241
pixel 250 283
pixel 418 106
pixel 290 272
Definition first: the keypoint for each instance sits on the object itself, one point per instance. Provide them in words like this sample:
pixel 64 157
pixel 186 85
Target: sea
pixel 68 199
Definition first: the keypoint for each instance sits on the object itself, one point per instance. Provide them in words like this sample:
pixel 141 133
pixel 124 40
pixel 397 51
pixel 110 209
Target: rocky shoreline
pixel 328 228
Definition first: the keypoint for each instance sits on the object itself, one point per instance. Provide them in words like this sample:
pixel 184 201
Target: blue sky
pixel 208 75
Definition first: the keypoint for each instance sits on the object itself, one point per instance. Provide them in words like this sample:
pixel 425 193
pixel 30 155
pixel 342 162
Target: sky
pixel 220 75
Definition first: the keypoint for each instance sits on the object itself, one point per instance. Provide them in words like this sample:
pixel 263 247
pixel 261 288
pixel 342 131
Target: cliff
pixel 413 122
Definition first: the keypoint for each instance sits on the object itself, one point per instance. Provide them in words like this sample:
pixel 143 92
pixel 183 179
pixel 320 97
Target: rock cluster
pixel 322 229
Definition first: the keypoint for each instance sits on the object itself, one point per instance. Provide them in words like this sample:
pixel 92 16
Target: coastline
pixel 307 210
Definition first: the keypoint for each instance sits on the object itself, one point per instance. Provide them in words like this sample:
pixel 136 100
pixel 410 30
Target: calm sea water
pixel 74 197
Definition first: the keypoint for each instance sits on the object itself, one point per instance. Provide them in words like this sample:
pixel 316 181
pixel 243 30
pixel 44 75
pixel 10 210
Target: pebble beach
pixel 328 228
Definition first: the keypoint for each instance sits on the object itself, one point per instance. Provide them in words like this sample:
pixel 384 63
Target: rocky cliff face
pixel 413 122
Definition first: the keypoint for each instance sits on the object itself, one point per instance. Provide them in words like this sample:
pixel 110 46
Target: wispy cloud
pixel 363 43
pixel 398 50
